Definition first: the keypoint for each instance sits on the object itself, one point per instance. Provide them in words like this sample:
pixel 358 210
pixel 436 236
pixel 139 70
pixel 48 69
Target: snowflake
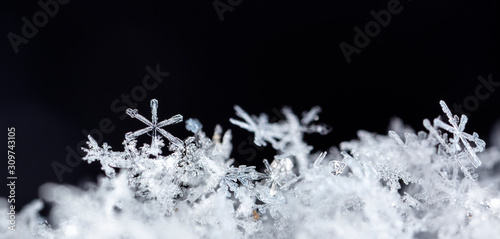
pixel 280 173
pixel 459 146
pixel 154 126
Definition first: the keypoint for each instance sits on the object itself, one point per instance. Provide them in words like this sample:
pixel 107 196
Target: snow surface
pixel 439 183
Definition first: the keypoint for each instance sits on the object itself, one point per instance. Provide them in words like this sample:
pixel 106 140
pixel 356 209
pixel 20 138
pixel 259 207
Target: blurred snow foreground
pixel 431 184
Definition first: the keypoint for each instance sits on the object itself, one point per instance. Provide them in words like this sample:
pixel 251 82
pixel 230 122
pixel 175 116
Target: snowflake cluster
pixel 430 184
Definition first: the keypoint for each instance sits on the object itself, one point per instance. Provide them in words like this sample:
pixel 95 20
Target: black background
pixel 265 54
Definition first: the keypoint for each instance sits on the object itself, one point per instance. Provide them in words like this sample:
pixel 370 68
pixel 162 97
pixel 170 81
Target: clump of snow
pixel 438 183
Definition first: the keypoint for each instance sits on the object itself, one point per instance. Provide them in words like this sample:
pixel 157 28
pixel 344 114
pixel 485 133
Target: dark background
pixel 265 54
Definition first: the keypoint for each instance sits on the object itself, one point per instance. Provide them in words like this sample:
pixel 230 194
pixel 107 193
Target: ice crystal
pixel 438 183
pixel 285 136
pixel 458 147
pixel 337 167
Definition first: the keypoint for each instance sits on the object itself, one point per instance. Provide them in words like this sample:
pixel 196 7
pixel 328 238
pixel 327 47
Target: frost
pixel 437 183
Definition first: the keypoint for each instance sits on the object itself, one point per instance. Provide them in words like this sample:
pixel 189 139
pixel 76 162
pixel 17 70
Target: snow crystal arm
pixel 320 158
pixel 241 124
pixel 395 136
pixel 446 110
pixel 311 116
pixel 268 167
pixel 250 123
pixel 133 135
pixel 259 126
pixel 92 142
pixel 475 160
pixel 440 124
pixel 480 144
pixel 133 113
pixel 463 122
pixel 154 111
pixel 434 133
pixel 173 120
pixel 171 138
